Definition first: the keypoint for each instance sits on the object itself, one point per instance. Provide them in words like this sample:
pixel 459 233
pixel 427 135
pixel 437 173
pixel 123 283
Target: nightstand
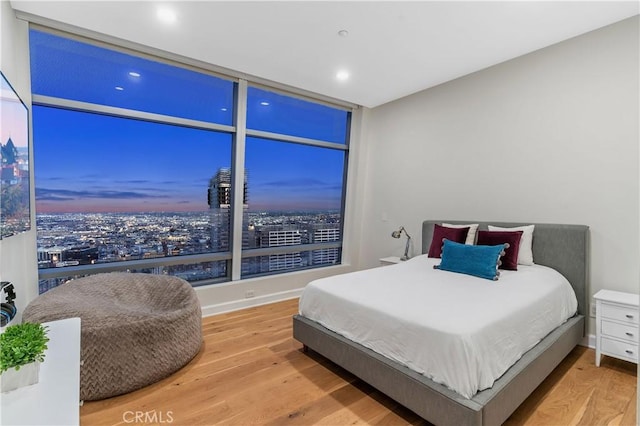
pixel 616 325
pixel 391 260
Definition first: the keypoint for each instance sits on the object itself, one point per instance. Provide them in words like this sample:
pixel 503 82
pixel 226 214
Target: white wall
pixel 550 137
pixel 18 261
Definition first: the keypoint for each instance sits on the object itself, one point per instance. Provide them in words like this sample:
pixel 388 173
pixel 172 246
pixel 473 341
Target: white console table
pixel 55 399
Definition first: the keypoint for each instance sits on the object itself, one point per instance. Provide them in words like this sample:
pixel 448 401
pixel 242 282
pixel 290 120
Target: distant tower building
pixel 278 262
pixel 323 233
pixel 48 257
pixel 219 200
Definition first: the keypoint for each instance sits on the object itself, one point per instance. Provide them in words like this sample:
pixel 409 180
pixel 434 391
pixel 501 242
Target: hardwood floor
pixel 250 371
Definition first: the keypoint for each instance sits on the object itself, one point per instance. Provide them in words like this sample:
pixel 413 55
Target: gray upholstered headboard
pixel 564 248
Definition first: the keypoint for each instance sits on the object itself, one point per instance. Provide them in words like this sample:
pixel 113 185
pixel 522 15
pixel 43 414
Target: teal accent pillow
pixel 479 261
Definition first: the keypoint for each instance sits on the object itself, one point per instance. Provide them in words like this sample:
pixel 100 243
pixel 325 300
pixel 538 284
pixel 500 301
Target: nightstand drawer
pixel 620 313
pixel 618 349
pixel 620 331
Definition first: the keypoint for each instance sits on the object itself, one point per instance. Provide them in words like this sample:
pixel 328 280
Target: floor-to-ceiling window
pixel 295 156
pixel 134 168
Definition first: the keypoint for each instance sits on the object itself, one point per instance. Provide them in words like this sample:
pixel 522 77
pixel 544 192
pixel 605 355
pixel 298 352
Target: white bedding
pixel 458 330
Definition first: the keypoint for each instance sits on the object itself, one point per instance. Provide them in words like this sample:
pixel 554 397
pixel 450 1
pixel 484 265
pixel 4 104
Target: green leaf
pixel 22 344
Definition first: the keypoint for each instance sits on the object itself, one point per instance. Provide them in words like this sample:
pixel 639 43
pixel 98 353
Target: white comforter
pixel 458 330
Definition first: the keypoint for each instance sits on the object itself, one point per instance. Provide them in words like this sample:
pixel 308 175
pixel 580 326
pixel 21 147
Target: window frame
pixel 239 133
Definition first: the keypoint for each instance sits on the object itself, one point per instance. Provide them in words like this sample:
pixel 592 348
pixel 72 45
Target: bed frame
pixel 562 247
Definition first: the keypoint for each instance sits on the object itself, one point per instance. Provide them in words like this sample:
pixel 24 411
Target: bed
pixel 561 247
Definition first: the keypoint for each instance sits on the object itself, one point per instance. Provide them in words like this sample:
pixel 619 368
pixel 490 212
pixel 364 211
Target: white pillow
pixel 525 255
pixel 471 235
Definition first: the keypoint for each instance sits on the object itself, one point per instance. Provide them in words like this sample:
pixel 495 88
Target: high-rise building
pixel 277 236
pixel 219 200
pixel 284 237
pixel 323 233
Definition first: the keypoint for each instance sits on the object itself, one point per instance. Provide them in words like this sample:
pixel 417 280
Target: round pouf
pixel 136 328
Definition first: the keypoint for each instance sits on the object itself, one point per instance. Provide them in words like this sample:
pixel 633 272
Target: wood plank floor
pixel 250 371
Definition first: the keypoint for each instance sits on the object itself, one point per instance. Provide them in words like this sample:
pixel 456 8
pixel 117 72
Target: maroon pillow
pixel 494 238
pixel 458 235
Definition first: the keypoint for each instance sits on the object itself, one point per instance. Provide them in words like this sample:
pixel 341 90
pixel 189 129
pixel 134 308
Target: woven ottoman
pixel 136 328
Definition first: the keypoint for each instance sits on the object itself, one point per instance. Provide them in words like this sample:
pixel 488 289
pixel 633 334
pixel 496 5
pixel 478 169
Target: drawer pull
pixel 629 334
pixel 629 316
pixel 629 352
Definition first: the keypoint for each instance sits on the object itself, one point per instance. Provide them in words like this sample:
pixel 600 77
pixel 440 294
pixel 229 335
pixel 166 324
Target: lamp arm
pixel 405 232
pixel 406 250
pixel 406 247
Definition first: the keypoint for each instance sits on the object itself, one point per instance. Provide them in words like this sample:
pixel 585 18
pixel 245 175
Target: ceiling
pixel 392 48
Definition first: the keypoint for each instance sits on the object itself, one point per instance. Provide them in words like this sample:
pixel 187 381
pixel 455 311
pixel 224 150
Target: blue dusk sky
pixel 88 162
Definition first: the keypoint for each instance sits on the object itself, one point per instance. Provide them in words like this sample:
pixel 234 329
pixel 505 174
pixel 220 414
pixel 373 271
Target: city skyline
pixel 78 239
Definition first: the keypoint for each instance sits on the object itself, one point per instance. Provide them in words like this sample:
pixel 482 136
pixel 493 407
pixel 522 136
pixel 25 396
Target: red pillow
pixel 458 235
pixel 494 238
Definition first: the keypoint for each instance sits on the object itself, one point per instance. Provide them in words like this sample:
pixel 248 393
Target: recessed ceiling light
pixel 342 75
pixel 119 88
pixel 264 103
pixel 343 33
pixel 134 74
pixel 166 15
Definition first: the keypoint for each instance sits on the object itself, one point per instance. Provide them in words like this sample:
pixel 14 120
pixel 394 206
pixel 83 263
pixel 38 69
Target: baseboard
pixel 235 305
pixel 589 341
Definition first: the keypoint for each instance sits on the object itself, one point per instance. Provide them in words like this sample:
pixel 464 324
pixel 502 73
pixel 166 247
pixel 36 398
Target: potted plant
pixel 22 349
